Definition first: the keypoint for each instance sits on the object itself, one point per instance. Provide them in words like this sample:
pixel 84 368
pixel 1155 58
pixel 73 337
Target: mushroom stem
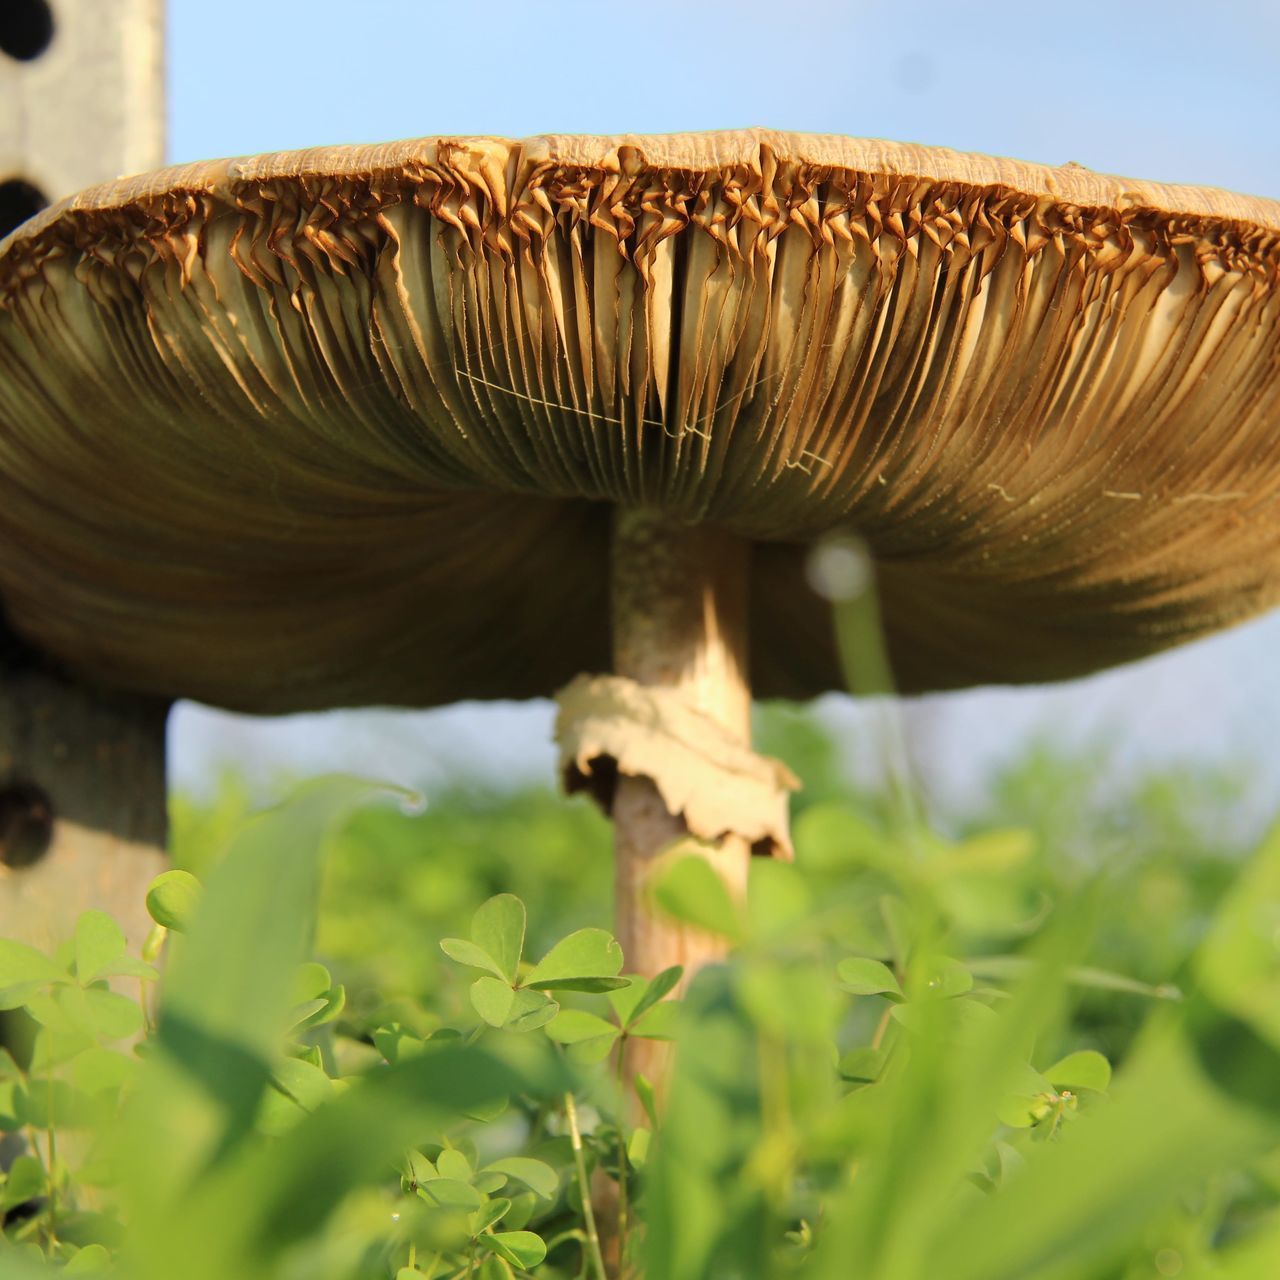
pixel 679 622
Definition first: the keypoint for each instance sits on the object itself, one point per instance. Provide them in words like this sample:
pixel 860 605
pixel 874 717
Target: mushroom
pixel 468 418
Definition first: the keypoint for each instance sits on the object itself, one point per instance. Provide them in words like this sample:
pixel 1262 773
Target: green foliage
pixel 172 899
pixel 356 1053
pixel 690 890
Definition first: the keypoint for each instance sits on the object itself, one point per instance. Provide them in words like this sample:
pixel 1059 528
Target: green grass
pixel 1046 1048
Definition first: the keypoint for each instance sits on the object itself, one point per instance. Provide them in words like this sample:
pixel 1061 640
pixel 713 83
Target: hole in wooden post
pixel 26 28
pixel 26 823
pixel 19 200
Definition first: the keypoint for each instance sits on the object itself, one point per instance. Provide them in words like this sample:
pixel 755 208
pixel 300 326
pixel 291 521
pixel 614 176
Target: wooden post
pixel 81 95
pixel 82 784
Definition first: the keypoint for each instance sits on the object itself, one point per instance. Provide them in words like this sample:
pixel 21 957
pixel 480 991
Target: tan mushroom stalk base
pixel 664 743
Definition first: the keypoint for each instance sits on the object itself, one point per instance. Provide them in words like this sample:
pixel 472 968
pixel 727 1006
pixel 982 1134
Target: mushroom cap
pixel 345 426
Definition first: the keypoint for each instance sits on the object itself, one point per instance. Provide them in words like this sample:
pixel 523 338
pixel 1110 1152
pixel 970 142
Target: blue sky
pixel 1179 92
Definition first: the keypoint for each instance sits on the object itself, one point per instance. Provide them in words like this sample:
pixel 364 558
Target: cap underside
pixel 344 427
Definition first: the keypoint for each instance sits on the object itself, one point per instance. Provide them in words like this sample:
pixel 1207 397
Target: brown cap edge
pixel 687 152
